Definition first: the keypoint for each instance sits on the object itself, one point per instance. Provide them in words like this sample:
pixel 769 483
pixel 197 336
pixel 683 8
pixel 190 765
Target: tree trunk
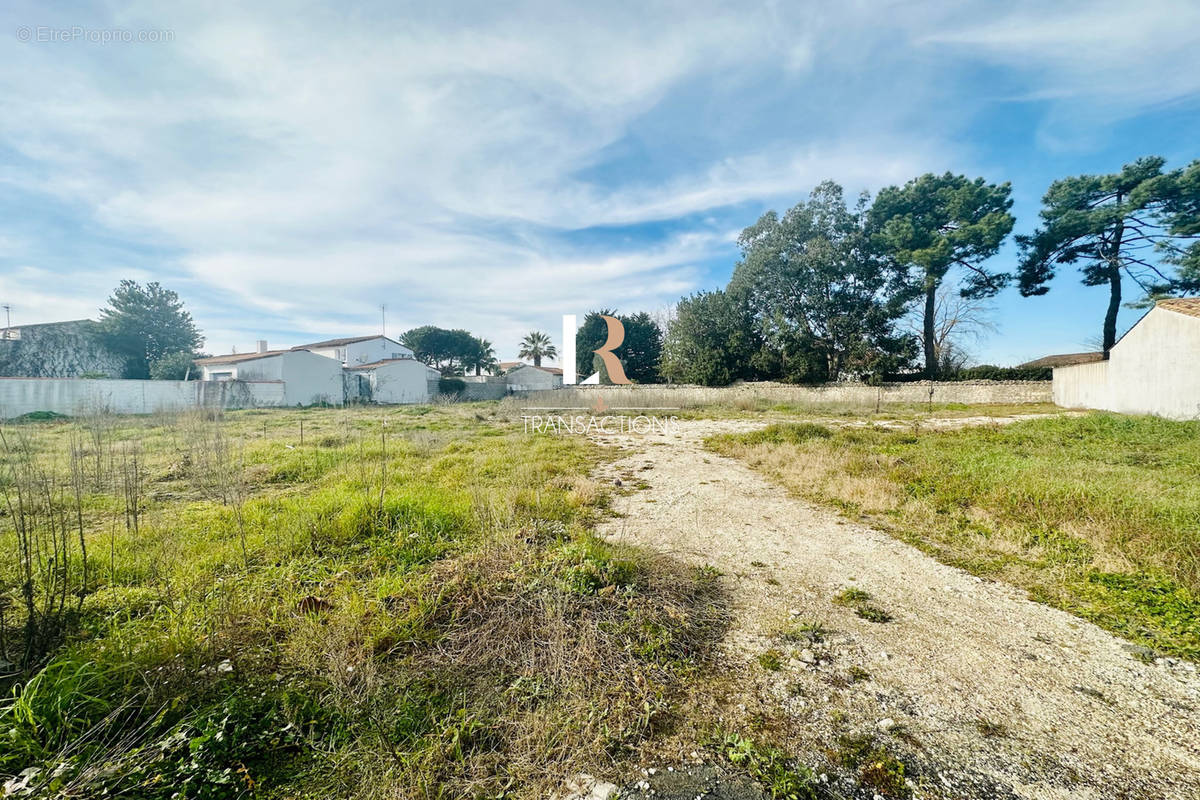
pixel 931 365
pixel 1114 306
pixel 537 359
pixel 1114 284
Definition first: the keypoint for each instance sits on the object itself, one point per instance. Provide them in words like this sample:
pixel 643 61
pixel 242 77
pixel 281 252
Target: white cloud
pixel 298 165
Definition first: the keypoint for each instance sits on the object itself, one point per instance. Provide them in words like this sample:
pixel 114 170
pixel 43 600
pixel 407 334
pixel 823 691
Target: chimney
pixel 261 345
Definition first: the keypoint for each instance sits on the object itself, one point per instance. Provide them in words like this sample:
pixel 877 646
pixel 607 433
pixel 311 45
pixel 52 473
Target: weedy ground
pixel 1097 514
pixel 402 602
pixel 410 602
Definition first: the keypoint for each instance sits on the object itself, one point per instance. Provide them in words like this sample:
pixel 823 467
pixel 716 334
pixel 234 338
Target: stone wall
pixel 680 396
pixel 74 396
pixel 57 350
pixel 488 388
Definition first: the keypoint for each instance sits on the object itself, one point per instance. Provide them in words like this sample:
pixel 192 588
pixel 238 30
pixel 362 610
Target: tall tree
pixel 448 351
pixel 825 303
pixel 143 324
pixel 1140 223
pixel 936 222
pixel 639 353
pixel 537 345
pixel 959 323
pixel 481 358
pixel 712 341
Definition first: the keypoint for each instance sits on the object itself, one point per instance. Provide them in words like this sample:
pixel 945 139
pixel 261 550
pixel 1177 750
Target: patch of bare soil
pixel 971 679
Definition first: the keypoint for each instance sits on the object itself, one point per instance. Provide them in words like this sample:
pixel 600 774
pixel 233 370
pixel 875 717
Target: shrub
pixel 452 385
pixel 175 367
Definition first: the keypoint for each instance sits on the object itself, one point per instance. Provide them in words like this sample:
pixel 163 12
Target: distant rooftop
pixel 374 364
pixel 1182 305
pixel 505 366
pixel 343 341
pixel 1063 360
pixel 233 358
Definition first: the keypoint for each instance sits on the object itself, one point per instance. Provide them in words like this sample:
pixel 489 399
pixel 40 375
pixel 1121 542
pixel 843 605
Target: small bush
pixel 452 386
pixel 175 367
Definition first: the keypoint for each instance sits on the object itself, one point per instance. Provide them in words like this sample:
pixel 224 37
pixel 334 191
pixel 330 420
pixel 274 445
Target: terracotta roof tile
pixel 1182 305
pixel 233 358
pixel 1063 360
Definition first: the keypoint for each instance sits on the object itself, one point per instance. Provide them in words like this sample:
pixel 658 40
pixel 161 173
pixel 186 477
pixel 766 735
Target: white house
pixel 356 350
pixel 399 380
pixel 1152 369
pixel 527 378
pixel 308 378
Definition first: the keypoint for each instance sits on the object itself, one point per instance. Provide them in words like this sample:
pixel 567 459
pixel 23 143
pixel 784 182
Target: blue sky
pixel 288 167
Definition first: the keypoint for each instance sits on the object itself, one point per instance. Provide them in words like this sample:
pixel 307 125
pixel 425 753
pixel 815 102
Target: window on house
pixel 220 376
pixel 341 354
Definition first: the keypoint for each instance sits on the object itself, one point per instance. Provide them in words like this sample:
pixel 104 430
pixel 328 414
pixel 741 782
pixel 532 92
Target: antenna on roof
pixel 383 318
pixel 7 321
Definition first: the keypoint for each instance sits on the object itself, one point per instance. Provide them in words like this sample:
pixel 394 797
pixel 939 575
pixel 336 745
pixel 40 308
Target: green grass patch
pixel 327 602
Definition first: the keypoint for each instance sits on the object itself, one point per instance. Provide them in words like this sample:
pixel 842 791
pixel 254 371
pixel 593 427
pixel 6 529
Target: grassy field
pixel 323 603
pixel 1097 514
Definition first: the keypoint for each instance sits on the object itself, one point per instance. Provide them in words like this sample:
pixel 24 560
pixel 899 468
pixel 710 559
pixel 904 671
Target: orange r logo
pixel 616 335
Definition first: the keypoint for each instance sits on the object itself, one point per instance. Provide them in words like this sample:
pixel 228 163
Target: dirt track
pixel 977 678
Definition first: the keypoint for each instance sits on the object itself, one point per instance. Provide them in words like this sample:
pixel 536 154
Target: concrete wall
pixel 310 379
pixel 268 368
pixel 969 392
pixel 1082 385
pixel 405 381
pixel 75 396
pixel 528 379
pixel 485 387
pixel 1154 369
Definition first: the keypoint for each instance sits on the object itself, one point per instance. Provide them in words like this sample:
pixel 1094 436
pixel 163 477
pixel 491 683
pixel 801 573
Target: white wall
pixel 405 381
pixel 1154 369
pixel 75 396
pixel 378 349
pixel 640 395
pixel 1082 385
pixel 310 379
pixel 528 379
pixel 255 369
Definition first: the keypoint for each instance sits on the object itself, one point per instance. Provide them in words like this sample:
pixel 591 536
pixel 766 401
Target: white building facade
pixel 308 379
pixel 399 381
pixel 1153 369
pixel 530 379
pixel 358 350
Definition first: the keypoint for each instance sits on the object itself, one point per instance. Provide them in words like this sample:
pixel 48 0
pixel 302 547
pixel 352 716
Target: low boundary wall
pixel 74 396
pixel 684 396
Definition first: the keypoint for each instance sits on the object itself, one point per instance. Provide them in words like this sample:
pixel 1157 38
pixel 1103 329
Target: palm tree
pixel 537 346
pixel 482 357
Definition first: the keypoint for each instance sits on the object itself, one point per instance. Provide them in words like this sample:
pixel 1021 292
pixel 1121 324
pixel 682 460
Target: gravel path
pixel 988 686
